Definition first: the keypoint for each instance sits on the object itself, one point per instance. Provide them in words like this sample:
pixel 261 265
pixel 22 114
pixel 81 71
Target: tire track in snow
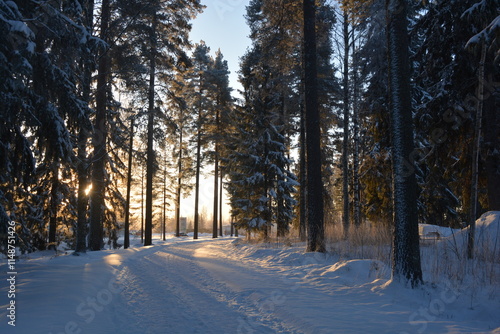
pixel 261 293
pixel 168 291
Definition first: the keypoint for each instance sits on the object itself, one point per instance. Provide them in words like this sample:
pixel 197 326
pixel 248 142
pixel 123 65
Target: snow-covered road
pixel 173 289
pixel 218 286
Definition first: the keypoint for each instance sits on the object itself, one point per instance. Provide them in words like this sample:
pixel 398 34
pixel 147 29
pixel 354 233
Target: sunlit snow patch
pixel 113 259
pixel 351 273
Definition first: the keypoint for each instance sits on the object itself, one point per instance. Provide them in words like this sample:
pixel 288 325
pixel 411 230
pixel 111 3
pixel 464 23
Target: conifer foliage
pixel 418 113
pixel 41 104
pixel 261 180
pixel 56 150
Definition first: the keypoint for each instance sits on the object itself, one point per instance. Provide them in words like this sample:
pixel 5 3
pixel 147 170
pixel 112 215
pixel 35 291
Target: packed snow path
pixel 213 286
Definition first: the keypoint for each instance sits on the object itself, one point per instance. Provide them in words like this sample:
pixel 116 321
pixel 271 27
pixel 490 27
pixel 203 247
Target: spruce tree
pixel 446 78
pixel 375 171
pixel 48 41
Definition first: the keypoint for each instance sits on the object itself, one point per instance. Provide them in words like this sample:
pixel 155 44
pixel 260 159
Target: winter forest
pixel 359 129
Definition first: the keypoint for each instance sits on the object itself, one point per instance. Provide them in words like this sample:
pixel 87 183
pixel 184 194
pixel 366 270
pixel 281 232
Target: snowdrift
pixel 487 236
pixel 434 232
pixel 351 273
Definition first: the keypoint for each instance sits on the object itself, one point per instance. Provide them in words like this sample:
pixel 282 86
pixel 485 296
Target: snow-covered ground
pixel 227 286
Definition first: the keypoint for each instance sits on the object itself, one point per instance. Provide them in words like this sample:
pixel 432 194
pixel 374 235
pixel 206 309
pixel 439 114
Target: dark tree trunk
pixel 179 188
pixel 220 201
pixel 315 235
pixel 475 157
pixel 232 227
pixel 345 144
pixel 216 179
pixel 148 221
pixel 150 163
pixel 142 203
pixel 356 139
pixel 282 223
pixel 492 134
pixel 266 214
pixel 406 251
pixel 126 242
pixel 303 177
pixel 82 166
pixel 493 159
pixel 99 140
pixel 197 185
pixel 164 215
pixel 82 201
pixel 54 206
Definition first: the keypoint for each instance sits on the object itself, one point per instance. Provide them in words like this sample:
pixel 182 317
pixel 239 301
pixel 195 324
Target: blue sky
pixel 222 26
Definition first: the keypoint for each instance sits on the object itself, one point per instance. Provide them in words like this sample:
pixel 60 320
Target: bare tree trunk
pixel 267 213
pixel 148 224
pixel 126 242
pixel 406 250
pixel 345 144
pixel 303 177
pixel 216 180
pixel 315 214
pixel 235 231
pixel 83 182
pixel 475 157
pixel 491 137
pixel 232 226
pixel 355 156
pixel 220 202
pixel 54 206
pixel 142 203
pixel 179 189
pixel 99 139
pixel 164 218
pixel 197 185
pixel 282 223
pixel 82 201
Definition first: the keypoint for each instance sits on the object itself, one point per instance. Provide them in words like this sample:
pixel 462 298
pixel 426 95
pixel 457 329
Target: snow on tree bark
pixel 405 253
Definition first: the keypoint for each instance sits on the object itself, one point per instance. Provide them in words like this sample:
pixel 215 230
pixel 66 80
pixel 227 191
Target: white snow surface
pixel 434 231
pixel 225 285
pixel 486 235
